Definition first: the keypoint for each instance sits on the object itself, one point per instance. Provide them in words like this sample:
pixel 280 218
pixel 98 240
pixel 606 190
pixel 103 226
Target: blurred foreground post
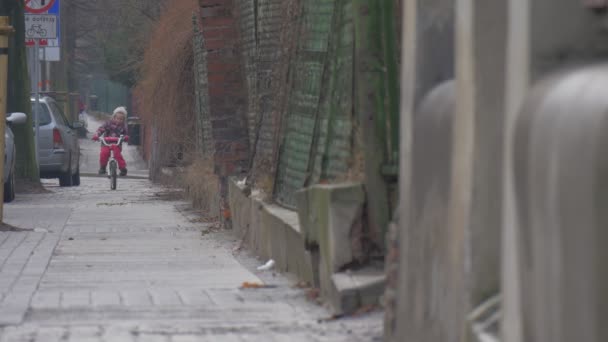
pixel 5 30
pixel 561 190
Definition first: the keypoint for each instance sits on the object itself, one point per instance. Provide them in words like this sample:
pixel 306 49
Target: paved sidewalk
pixel 136 264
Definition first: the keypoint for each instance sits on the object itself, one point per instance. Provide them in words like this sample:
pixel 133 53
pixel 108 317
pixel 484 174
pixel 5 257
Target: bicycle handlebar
pixel 107 141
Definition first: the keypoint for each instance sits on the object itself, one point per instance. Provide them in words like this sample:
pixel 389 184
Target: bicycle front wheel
pixel 113 175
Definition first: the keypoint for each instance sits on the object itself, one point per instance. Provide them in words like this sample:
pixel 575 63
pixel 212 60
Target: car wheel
pixel 76 178
pixel 9 188
pixel 65 179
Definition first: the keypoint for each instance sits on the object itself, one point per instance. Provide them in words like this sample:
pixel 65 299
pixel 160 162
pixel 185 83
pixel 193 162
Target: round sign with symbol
pixel 38 6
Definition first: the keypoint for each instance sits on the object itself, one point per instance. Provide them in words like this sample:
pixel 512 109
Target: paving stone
pixel 105 298
pixel 85 334
pixel 73 299
pixel 46 300
pixel 136 297
pixel 165 297
pixel 51 334
pixel 195 297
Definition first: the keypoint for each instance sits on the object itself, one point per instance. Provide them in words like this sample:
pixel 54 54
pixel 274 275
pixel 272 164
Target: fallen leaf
pixel 248 285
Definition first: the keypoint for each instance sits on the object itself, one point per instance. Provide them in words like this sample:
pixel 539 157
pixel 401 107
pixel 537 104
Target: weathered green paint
pixel 391 82
pixel 19 91
pixel 377 105
pixel 334 137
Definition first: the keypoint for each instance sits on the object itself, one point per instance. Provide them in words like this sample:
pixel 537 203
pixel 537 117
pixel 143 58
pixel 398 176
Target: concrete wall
pixel 272 232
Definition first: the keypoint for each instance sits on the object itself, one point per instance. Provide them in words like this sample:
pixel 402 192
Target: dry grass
pixel 167 83
pixel 167 89
pixel 203 187
pixel 265 183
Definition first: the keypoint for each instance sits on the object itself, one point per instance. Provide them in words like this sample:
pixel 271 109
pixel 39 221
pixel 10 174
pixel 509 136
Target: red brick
pixel 214 23
pixel 223 67
pixel 216 78
pixel 226 32
pixel 212 3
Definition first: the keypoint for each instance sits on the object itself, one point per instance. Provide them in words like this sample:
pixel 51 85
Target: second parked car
pixel 58 147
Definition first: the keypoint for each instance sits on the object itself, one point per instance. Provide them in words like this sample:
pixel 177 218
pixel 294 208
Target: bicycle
pixel 112 169
pixel 36 29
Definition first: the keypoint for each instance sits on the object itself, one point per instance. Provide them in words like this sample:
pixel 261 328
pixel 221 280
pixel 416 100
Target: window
pixel 44 116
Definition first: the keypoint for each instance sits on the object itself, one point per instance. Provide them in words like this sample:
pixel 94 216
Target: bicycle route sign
pixel 46 8
pixel 40 26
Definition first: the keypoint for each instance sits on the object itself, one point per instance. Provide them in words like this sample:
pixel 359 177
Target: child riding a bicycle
pixel 113 128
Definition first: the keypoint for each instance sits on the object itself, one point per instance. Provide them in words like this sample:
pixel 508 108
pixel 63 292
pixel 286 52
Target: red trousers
pixel 104 155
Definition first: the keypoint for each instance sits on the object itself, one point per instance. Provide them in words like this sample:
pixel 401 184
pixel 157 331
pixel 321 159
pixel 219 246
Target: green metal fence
pixel 301 117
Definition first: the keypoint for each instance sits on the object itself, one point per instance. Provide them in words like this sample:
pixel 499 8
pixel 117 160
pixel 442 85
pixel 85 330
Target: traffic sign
pixel 40 26
pixel 38 6
pixel 51 45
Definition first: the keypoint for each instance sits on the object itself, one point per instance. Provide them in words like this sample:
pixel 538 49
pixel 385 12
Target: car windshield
pixel 44 115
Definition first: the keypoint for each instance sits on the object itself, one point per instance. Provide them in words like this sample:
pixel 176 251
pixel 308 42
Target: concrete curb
pixel 272 232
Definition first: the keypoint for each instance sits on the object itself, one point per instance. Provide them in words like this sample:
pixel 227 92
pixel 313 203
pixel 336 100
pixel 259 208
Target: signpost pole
pixel 37 97
pixel 40 24
pixel 47 68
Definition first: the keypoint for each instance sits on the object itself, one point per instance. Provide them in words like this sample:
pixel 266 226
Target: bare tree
pixel 108 37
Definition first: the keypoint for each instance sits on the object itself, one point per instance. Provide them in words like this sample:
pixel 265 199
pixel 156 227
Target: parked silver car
pixel 10 155
pixel 58 147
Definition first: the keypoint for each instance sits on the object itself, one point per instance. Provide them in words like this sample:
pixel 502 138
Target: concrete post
pixel 427 59
pixel 544 36
pixel 517 84
pixel 478 142
pixel 395 306
pixel 560 168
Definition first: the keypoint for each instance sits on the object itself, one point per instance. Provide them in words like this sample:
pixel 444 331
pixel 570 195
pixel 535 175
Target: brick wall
pixel 226 86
